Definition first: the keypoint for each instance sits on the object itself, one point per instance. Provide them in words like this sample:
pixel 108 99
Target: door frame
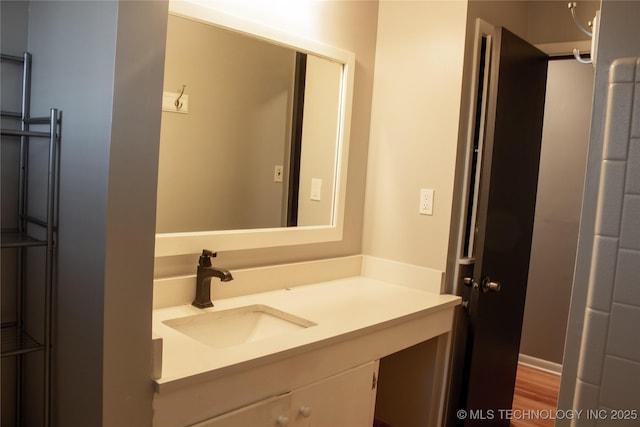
pixel 455 259
pixel 455 262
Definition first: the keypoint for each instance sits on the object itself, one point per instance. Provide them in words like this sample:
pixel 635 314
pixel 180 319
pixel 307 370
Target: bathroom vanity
pixel 308 355
pixel 292 345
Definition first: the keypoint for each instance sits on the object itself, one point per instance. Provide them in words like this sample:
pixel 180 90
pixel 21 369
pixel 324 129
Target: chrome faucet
pixel 203 279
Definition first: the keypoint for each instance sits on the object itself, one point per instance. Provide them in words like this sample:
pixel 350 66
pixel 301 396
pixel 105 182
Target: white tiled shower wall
pixel 609 368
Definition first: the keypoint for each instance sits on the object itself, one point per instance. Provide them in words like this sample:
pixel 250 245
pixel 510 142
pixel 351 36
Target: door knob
pixel 490 286
pixel 486 286
pixel 468 281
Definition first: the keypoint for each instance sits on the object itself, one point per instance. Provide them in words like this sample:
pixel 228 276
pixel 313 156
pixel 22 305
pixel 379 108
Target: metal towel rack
pixel 19 336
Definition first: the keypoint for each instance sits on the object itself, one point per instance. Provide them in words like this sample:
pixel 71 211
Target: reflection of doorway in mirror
pixel 319 141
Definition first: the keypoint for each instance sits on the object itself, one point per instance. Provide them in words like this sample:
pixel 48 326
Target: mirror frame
pixel 170 244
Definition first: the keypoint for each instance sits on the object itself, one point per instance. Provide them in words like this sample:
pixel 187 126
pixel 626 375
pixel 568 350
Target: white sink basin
pixel 236 326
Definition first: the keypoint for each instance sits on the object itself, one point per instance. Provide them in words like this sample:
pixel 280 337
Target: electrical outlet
pixel 426 202
pixel 278 172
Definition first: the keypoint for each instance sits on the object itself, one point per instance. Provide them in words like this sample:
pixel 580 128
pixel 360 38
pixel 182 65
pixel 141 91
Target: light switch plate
pixel 316 189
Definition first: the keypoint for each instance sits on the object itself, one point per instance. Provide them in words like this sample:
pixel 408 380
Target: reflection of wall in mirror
pixel 216 162
pixel 319 147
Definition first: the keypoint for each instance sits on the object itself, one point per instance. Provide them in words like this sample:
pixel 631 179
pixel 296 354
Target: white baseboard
pixel 543 365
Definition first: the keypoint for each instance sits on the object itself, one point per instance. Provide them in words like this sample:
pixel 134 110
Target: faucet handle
pixel 205 258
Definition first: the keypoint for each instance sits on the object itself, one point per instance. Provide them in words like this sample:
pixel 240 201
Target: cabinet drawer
pixel 265 413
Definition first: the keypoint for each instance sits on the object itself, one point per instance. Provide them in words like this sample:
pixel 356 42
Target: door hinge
pixel 374 382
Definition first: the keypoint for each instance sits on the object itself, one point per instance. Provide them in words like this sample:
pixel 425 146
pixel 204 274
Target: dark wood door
pixel 506 206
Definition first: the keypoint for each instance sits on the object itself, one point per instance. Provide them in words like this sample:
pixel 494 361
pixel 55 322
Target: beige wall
pixel 565 138
pixel 551 22
pixel 414 129
pixel 405 385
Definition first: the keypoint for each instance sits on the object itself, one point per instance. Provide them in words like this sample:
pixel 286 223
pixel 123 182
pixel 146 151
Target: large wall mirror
pixel 254 136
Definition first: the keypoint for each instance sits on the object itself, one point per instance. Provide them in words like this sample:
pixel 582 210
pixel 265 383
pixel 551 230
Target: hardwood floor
pixel 535 399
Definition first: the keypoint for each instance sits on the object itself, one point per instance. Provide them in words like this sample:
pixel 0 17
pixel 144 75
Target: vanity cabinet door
pixel 346 399
pixel 272 412
pixel 343 400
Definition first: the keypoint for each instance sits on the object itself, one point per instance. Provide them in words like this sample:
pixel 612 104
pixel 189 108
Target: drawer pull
pixel 282 421
pixel 305 411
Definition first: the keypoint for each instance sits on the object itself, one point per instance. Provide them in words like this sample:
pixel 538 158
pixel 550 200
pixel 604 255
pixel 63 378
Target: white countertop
pixel 342 309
